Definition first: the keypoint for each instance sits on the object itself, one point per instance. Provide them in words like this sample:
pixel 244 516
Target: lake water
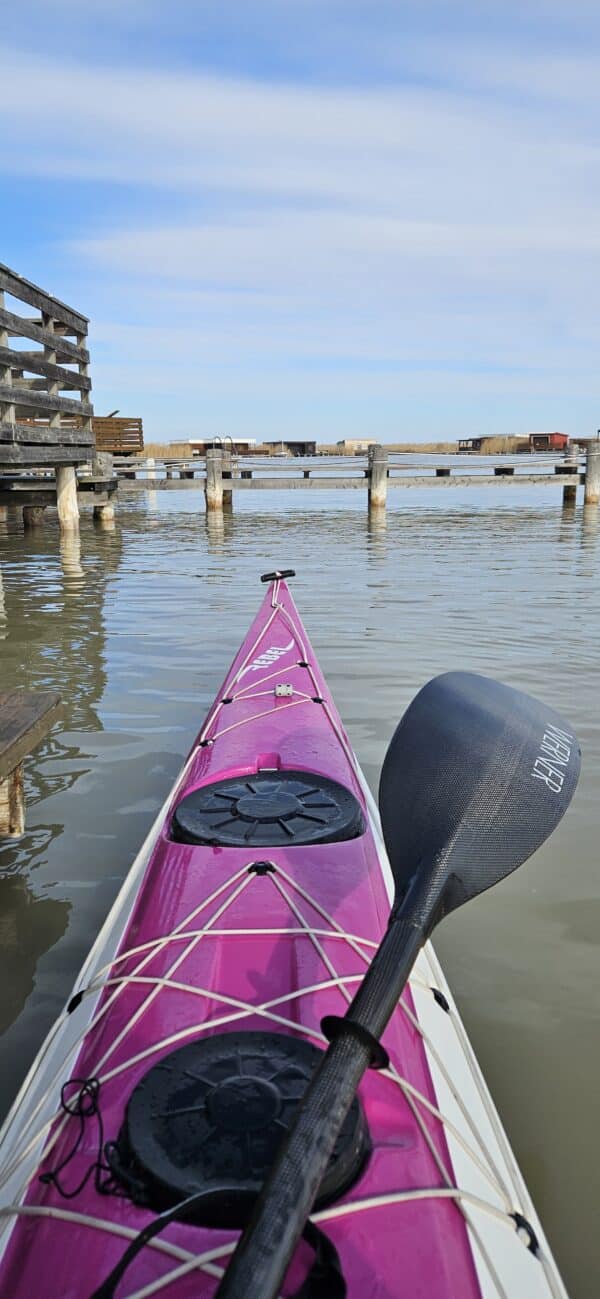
pixel 135 627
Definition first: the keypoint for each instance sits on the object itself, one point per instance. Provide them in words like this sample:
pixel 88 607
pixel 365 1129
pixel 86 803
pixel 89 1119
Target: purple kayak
pixel 251 912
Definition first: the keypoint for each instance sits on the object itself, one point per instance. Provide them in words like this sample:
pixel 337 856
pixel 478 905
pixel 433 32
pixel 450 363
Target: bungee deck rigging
pixel 262 921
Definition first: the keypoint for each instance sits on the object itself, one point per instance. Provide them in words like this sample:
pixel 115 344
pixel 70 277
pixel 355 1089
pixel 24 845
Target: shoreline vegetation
pixel 492 446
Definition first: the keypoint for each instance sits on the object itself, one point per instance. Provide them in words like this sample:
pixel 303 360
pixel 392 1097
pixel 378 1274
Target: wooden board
pixel 20 328
pixel 42 401
pixel 26 716
pixel 46 435
pixel 15 456
pixel 37 364
pixel 14 284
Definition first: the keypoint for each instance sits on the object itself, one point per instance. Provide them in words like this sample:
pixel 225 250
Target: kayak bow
pixel 163 1092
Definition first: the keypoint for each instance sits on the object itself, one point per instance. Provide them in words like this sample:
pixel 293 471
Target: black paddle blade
pixel 476 777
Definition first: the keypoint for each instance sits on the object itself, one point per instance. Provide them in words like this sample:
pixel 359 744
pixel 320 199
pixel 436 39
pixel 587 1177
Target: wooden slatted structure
pixel 120 436
pixel 42 420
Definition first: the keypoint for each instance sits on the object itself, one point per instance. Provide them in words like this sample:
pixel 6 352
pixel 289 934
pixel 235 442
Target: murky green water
pixel 136 626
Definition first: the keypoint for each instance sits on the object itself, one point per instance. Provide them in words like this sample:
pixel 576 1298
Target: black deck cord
pixel 324 1281
pixel 83 1105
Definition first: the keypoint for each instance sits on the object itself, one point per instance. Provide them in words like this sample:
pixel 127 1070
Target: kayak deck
pixel 225 938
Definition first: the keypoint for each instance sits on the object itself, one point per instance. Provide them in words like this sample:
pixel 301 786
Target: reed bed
pixel 492 446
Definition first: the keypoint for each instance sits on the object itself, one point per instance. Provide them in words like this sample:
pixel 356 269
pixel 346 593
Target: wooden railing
pixel 221 475
pixel 39 425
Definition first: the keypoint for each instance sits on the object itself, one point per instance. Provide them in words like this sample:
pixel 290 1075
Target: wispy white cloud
pixel 451 228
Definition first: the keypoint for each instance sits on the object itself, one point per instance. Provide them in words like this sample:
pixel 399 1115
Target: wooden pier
pixel 25 719
pixel 221 475
pixel 41 428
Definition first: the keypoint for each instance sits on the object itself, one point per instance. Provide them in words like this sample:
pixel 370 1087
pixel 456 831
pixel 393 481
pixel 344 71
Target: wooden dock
pixel 221 475
pixel 26 717
pixel 45 401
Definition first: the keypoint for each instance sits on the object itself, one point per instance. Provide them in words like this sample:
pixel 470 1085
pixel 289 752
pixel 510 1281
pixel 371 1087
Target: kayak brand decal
pixel 267 658
pixel 553 758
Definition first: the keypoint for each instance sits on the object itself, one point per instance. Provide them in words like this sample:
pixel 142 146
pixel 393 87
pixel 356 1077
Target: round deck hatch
pixel 210 1117
pixel 267 810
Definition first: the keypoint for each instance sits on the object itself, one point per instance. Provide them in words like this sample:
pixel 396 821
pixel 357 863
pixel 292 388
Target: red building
pixel 548 441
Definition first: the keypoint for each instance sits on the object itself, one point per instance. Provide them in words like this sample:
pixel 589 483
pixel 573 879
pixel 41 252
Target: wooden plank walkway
pixel 26 717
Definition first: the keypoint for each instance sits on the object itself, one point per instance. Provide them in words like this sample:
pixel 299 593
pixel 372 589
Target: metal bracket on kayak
pixel 278 575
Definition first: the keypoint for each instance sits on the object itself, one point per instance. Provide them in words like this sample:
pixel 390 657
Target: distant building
pixel 547 441
pixel 472 444
pixel 350 446
pixel 293 447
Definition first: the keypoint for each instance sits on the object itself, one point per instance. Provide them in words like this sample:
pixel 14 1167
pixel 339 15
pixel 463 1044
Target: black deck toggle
pixel 278 574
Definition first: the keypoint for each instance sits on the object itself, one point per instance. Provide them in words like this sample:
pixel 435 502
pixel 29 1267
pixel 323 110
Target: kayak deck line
pixel 264 1009
pixel 305 924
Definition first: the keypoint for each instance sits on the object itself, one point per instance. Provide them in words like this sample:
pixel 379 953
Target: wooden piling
pixel 378 470
pixel 104 513
pixel 592 474
pixel 66 497
pixel 570 464
pixel 226 468
pixel 12 804
pixel 213 489
pixel 33 516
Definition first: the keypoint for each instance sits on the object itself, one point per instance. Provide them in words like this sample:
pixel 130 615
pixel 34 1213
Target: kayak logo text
pixel 268 656
pixel 553 758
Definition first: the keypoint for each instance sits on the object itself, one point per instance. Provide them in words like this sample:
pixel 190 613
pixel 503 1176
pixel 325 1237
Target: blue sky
pixel 333 218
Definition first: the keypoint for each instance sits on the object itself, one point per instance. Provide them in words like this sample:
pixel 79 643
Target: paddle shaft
pixel 260 1261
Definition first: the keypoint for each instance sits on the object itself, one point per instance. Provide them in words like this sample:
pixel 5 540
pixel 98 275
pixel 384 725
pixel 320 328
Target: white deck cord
pixel 496 1180
pixel 201 1262
pixel 406 1088
pixel 248 1009
pixel 12 1167
pixel 411 1094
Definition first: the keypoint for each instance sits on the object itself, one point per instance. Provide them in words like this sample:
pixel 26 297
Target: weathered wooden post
pixel 592 474
pixel 66 497
pixel 378 469
pixel 103 466
pixel 570 464
pixel 213 489
pixel 33 516
pixel 226 465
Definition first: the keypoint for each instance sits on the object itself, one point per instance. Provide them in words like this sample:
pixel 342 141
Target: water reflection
pixel 52 624
pixel 70 556
pixel 29 927
pixel 590 521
